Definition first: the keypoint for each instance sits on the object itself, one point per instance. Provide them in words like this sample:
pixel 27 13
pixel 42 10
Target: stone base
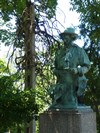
pixel 67 121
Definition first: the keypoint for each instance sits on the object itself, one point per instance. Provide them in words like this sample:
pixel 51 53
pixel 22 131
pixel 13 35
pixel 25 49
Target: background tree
pixel 16 105
pixel 30 59
pixel 90 29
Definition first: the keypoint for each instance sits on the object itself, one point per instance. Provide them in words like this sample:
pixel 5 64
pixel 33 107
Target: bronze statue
pixel 71 64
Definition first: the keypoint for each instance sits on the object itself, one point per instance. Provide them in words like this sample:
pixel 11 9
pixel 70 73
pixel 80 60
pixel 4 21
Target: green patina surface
pixel 71 64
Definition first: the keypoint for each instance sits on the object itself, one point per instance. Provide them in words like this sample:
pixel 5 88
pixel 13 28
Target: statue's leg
pixel 69 99
pixel 80 100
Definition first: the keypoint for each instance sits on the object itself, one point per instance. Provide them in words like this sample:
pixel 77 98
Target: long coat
pixel 68 83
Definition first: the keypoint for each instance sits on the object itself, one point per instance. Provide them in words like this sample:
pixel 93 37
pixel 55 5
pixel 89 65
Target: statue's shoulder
pixel 77 47
pixel 81 51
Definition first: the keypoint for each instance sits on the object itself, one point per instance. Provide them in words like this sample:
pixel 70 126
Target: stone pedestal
pixel 67 121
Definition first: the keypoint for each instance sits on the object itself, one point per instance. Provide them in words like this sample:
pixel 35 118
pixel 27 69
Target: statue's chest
pixel 70 56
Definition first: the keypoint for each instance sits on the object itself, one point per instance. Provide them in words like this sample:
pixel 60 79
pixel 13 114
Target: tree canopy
pixel 43 25
pixel 16 105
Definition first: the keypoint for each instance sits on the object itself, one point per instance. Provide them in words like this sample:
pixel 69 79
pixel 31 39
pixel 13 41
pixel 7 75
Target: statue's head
pixel 69 33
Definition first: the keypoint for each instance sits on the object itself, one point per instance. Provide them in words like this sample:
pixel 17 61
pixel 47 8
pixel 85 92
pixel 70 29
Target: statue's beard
pixel 68 43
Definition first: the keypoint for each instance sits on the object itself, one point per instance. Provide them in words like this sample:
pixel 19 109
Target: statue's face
pixel 67 39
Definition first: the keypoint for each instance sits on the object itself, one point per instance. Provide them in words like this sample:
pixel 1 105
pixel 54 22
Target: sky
pixel 66 17
pixel 69 18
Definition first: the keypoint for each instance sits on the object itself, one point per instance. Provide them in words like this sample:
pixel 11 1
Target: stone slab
pixel 67 121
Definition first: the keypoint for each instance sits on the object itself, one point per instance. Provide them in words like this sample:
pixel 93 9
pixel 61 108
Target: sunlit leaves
pixel 3 68
pixel 16 105
pixel 89 15
pixel 10 8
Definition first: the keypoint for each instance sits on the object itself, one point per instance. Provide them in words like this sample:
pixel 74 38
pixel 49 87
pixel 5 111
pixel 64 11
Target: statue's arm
pixel 84 63
pixel 82 69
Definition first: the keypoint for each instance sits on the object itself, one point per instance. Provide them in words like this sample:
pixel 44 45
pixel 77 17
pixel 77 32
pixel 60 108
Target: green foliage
pixel 3 68
pixel 45 77
pixel 8 8
pixel 48 7
pixel 89 15
pixel 7 33
pixel 16 106
pixel 92 97
pixel 19 104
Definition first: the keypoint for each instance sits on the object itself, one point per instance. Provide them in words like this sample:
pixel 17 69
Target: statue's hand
pixel 82 70
pixel 66 68
pixel 74 70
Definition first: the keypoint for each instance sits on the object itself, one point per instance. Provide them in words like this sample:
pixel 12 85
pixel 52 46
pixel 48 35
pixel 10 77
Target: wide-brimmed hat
pixel 69 31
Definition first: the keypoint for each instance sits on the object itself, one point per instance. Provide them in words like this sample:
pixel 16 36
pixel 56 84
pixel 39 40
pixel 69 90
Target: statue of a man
pixel 71 64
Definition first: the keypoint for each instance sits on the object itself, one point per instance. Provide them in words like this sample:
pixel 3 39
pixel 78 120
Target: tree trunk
pixel 30 48
pixel 30 54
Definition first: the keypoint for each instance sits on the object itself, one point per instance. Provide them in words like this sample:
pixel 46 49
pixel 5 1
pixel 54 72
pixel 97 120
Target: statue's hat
pixel 69 31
